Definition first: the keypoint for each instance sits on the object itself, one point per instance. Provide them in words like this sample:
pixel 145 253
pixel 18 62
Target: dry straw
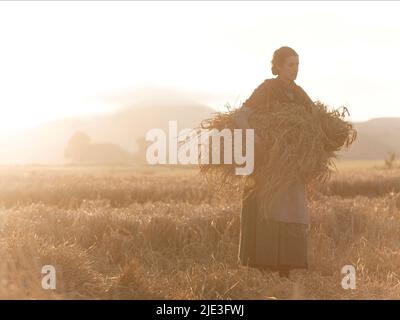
pixel 298 146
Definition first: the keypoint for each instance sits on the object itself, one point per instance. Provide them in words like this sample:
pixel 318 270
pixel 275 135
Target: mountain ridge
pixel 45 143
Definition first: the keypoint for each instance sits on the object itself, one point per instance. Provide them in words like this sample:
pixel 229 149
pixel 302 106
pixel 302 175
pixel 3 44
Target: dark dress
pixel 281 241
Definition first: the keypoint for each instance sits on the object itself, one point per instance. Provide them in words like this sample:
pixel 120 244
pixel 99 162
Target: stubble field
pixel 164 234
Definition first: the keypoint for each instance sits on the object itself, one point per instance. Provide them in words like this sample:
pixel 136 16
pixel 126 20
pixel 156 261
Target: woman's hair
pixel 279 57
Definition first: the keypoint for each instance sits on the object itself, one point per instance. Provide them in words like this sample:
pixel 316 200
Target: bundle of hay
pixel 298 146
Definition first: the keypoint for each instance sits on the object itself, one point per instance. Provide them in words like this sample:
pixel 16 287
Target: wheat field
pixel 119 233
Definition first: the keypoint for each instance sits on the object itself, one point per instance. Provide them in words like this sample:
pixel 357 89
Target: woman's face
pixel 289 69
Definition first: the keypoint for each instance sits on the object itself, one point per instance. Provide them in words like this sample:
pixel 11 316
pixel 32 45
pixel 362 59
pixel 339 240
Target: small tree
pixel 389 161
pixel 76 145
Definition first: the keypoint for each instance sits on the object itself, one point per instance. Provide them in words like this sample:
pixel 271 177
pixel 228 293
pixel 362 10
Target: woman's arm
pixel 259 96
pixel 257 99
pixel 242 116
pixel 241 119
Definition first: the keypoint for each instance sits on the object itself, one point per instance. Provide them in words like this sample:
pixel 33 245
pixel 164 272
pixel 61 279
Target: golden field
pixel 145 233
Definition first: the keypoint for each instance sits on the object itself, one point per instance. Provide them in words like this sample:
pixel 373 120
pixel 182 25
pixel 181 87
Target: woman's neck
pixel 286 81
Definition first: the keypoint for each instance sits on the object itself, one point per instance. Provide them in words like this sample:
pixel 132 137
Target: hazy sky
pixel 64 58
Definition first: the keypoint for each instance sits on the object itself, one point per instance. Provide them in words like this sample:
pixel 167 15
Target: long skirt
pixel 270 244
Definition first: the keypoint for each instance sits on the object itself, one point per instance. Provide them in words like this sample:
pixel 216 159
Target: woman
pixel 279 244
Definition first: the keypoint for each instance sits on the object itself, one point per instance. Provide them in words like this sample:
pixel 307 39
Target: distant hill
pixel 45 144
pixel 375 138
